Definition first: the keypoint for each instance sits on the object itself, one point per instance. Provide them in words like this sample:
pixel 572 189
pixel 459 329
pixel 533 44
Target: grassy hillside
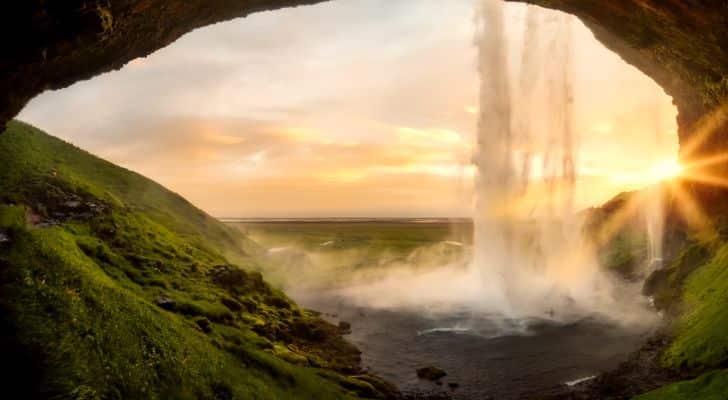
pixel 699 340
pixel 113 287
pixel 691 291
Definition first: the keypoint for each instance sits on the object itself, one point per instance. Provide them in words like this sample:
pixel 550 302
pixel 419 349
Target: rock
pixel 344 327
pixel 387 389
pixel 166 303
pixel 231 304
pixel 453 385
pixel 250 305
pixel 309 331
pixel 431 373
pixel 228 276
pixel 4 238
pixel 72 204
pixel 204 324
pixel 278 302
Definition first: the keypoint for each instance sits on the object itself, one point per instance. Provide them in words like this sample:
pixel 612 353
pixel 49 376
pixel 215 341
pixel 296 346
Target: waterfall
pixel 654 207
pixel 529 253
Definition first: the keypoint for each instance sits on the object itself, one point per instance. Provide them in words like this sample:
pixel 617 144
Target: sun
pixel 665 170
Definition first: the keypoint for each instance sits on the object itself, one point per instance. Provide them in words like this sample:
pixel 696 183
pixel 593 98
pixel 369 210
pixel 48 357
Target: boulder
pixel 166 303
pixel 204 324
pixel 431 373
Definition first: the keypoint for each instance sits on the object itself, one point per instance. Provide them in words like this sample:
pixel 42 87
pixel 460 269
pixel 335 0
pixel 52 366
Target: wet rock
pixel 431 373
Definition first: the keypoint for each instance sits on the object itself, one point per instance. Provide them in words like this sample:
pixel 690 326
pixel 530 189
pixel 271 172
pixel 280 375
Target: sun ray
pixel 703 130
pixel 692 213
pixel 616 221
pixel 705 162
pixel 707 179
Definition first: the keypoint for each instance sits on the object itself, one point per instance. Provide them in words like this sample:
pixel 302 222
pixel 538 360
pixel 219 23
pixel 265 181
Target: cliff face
pixel 682 44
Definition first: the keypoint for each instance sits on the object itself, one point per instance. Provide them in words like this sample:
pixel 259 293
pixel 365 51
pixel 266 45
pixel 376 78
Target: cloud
pixel 359 105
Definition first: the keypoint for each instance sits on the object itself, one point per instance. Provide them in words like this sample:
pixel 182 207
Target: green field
pixel 327 252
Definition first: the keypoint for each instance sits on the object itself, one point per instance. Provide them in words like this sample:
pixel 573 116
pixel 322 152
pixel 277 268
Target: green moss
pixel 114 290
pixel 625 253
pixel 711 386
pixel 666 285
pixel 700 334
pixel 12 217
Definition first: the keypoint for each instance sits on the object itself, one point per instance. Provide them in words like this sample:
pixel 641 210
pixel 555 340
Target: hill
pixel 114 287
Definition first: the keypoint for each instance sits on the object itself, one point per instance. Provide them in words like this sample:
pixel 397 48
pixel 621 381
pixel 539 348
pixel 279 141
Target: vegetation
pixel 113 287
pixel 710 386
pixel 382 237
pixel 324 253
pixel 694 289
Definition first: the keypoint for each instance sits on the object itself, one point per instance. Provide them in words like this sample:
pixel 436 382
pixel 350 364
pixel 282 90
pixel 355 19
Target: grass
pixel 710 386
pixel 113 287
pixel 701 339
pixel 380 236
pixel 696 283
pixel 326 253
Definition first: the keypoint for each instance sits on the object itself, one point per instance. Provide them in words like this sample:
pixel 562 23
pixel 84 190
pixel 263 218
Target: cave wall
pixel 50 44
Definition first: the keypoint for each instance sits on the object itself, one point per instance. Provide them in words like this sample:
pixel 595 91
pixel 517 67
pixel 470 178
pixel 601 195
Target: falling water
pixel 529 253
pixel 495 183
pixel 654 207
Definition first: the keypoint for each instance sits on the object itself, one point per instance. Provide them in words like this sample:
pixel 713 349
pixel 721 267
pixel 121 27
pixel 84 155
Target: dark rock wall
pixel 49 44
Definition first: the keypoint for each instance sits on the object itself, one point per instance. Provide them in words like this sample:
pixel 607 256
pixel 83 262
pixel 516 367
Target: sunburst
pixel 674 177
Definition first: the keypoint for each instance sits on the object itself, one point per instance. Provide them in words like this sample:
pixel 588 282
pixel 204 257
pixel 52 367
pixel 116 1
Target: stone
pixel 72 204
pixel 431 373
pixel 166 303
pixel 204 324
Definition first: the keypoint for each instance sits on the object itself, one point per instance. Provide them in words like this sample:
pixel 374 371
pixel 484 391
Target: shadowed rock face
pixel 683 45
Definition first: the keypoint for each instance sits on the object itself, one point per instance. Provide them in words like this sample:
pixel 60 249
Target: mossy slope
pixel 113 287
pixel 699 289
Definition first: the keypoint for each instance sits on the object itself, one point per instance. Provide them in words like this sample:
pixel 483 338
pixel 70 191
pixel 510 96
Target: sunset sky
pixel 347 108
